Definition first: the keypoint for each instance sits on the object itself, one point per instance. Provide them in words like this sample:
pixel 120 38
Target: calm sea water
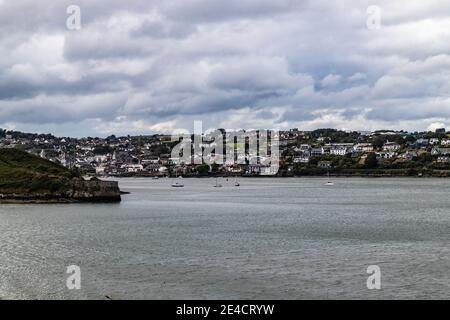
pixel 268 239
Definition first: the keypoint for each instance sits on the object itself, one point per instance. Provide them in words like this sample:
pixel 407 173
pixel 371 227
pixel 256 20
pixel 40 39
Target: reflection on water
pixel 268 239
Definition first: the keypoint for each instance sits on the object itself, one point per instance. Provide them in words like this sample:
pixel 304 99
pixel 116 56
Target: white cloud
pixel 436 125
pixel 357 77
pixel 331 80
pixel 147 66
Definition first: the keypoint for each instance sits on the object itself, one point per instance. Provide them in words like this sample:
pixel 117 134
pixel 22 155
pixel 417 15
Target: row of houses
pixel 305 152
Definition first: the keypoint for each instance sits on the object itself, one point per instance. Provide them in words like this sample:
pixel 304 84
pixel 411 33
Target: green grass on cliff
pixel 21 172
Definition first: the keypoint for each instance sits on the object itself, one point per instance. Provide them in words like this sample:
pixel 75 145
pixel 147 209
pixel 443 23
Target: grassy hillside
pixel 21 172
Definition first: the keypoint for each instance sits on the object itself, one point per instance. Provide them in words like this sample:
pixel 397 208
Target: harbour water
pixel 268 239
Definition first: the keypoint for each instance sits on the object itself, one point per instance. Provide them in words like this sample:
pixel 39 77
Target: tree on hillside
pixel 102 150
pixel 371 161
pixel 202 169
pixel 378 142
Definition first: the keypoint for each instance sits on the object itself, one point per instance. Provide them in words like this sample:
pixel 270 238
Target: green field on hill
pixel 21 172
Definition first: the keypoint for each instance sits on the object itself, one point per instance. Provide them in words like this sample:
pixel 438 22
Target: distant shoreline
pixel 285 177
pixel 37 200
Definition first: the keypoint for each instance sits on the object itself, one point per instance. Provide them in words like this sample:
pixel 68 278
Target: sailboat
pixel 177 184
pixel 236 183
pixel 329 183
pixel 218 185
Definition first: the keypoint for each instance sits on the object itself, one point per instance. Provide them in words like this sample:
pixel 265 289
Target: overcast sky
pixel 143 66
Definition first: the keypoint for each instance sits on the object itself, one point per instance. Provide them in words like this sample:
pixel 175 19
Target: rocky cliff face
pixel 96 190
pixel 27 178
pixel 75 190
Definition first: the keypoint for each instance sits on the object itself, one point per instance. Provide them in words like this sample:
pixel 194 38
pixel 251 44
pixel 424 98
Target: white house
pixel 386 155
pixel 423 142
pixel 363 147
pixel 408 155
pixel 444 159
pixel 133 168
pixel 391 146
pixel 434 141
pixel 339 150
pixel 301 159
pixel 262 170
pixel 440 151
pixel 174 161
pixel 316 152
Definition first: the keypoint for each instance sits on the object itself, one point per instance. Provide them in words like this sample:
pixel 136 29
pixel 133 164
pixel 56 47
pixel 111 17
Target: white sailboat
pixel 329 183
pixel 177 184
pixel 218 185
pixel 236 183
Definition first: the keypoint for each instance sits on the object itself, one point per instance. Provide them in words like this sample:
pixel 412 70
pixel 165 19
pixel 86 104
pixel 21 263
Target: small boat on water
pixel 179 183
pixel 329 183
pixel 155 178
pixel 218 185
pixel 236 183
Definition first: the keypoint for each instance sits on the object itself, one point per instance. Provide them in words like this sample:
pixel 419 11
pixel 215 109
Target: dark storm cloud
pixel 218 11
pixel 153 65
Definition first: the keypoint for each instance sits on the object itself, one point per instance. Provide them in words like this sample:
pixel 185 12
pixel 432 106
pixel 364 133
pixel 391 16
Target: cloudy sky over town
pixel 144 66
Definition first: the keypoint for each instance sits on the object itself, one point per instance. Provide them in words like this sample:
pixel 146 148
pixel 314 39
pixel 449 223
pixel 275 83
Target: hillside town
pixel 319 152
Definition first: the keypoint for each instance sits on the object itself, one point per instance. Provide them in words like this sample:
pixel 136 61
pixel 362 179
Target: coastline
pixel 338 175
pixel 84 191
pixel 27 178
pixel 54 201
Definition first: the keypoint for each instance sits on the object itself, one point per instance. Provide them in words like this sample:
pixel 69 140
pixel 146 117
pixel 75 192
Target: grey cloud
pixel 257 73
pixel 97 46
pixel 207 11
pixel 46 109
pixel 51 16
pixel 271 62
pixel 408 109
pixel 161 30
